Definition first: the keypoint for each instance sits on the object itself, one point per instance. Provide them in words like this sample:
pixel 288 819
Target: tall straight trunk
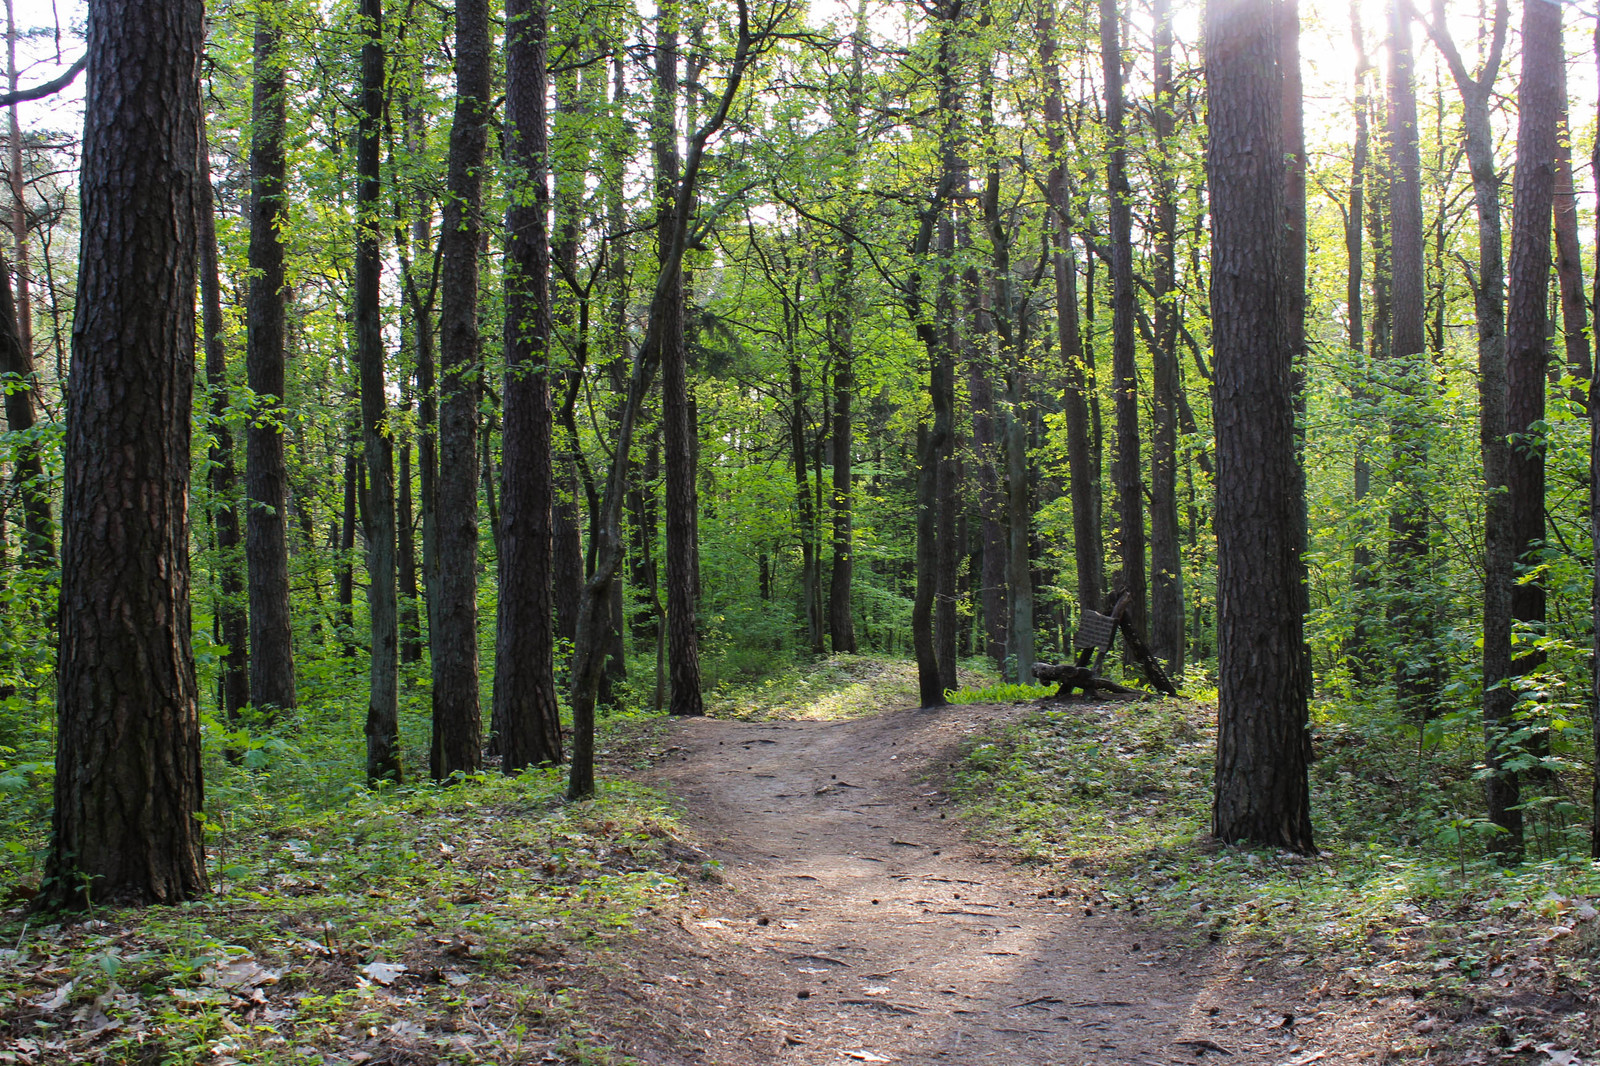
pixel 1361 578
pixel 1088 551
pixel 344 566
pixel 571 156
pixel 457 719
pixel 930 690
pixel 1502 789
pixel 128 794
pixel 16 354
pixel 1126 467
pixel 1263 747
pixel 272 681
pixel 383 705
pixel 986 446
pixel 683 637
pixel 1411 608
pixel 527 720
pixel 419 244
pixel 947 483
pixel 1166 560
pixel 1569 252
pixel 233 626
pixel 1594 521
pixel 840 322
pixel 406 553
pixel 1528 279
pixel 19 186
pixel 810 561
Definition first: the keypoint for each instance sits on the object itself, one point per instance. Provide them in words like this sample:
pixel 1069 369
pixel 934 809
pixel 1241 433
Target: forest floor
pixel 819 874
pixel 856 922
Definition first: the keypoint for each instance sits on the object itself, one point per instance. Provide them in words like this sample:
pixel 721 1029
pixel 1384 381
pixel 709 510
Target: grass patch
pixel 1402 899
pixel 838 687
pixel 420 924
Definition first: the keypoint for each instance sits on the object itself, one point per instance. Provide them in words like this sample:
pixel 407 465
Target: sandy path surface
pixel 857 925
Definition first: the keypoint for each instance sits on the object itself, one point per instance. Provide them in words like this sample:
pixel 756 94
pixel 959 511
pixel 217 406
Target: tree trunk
pixel 233 681
pixel 1501 787
pixel 1528 279
pixel 683 638
pixel 570 150
pixel 1361 577
pixel 1569 252
pixel 1126 467
pixel 383 707
pixel 527 720
pixel 1087 548
pixel 457 719
pixel 406 553
pixel 128 790
pixel 272 680
pixel 991 503
pixel 1166 561
pixel 1262 794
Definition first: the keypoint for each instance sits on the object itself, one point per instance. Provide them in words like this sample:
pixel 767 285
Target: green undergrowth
pixel 1403 897
pixel 838 687
pixel 410 925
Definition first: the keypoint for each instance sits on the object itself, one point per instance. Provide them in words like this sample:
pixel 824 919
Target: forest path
pixel 858 925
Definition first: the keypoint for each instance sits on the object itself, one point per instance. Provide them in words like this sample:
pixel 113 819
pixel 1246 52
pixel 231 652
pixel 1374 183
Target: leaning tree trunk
pixel 527 720
pixel 272 681
pixel 383 706
pixel 1262 793
pixel 457 720
pixel 128 791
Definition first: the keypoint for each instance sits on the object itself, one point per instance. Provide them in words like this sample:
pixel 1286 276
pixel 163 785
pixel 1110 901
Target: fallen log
pixel 1074 677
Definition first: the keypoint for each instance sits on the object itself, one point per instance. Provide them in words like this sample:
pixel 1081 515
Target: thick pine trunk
pixel 383 705
pixel 527 720
pixel 1528 280
pixel 457 719
pixel 1263 746
pixel 128 792
pixel 272 680
pixel 1126 465
pixel 233 625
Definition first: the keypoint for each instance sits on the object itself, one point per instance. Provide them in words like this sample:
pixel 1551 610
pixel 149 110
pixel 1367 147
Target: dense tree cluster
pixel 612 356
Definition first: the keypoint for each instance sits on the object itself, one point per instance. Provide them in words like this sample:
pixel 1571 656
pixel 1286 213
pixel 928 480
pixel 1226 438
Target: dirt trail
pixel 858 925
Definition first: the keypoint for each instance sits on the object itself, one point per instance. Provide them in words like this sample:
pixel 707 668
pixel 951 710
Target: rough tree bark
pixel 1527 317
pixel 526 718
pixel 383 706
pixel 272 680
pixel 453 594
pixel 1262 794
pixel 128 788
